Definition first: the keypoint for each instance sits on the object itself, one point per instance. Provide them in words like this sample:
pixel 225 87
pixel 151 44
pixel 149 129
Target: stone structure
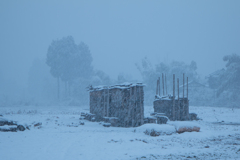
pixel 121 105
pixel 177 111
pixel 174 107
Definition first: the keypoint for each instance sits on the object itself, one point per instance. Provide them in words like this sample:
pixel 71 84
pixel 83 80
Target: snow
pixel 125 85
pixel 61 136
pixel 7 127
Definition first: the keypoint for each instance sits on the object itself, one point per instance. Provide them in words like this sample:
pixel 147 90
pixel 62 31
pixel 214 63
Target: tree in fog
pixel 69 61
pixel 230 79
pixel 150 74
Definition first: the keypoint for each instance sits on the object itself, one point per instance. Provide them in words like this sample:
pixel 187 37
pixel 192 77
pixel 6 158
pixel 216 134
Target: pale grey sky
pixel 120 33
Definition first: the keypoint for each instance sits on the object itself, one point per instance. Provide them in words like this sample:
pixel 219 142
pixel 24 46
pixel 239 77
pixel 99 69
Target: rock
pixel 112 120
pixel 193 116
pixel 37 124
pixel 106 124
pixel 7 128
pixel 93 119
pixel 20 127
pixel 4 121
pixel 162 119
pixel 10 126
pixel 154 133
pixel 90 117
pixel 83 114
pixel 150 120
pixel 81 123
pixel 81 118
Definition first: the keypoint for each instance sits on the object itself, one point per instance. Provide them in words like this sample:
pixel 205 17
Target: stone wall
pixel 180 111
pixel 125 102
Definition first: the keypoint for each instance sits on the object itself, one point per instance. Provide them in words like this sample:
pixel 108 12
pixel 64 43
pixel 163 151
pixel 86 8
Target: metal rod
pixel 187 88
pixel 178 100
pixel 183 85
pixel 107 101
pixel 173 107
pixel 157 88
pixel 163 83
pixel 135 104
pixel 166 83
pixel 104 106
pixel 183 98
pixel 140 104
pixel 187 102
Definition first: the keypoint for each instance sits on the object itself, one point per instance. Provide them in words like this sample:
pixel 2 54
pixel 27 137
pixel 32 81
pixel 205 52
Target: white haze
pixel 118 33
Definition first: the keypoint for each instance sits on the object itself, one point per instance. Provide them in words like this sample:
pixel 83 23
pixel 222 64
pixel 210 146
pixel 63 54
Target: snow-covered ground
pixel 62 137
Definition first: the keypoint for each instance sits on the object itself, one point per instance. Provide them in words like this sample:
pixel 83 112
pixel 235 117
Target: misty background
pixel 128 41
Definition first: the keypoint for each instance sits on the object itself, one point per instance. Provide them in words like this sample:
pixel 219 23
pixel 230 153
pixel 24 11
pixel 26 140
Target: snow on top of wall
pixel 119 86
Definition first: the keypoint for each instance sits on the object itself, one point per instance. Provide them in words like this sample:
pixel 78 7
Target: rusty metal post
pixel 183 85
pixel 163 83
pixel 187 88
pixel 166 83
pixel 140 105
pixel 178 106
pixel 173 107
pixel 183 98
pixel 135 104
pixel 159 86
pixel 104 101
pixel 107 101
pixel 187 102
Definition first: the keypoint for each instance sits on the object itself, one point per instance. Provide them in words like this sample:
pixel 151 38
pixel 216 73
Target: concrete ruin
pixel 174 107
pixel 120 105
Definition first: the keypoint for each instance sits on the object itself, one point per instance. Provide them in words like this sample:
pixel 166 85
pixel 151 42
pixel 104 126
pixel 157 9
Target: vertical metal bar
pixel 140 105
pixel 173 107
pixel 130 106
pixel 159 86
pixel 179 111
pixel 183 85
pixel 163 83
pixel 187 88
pixel 183 99
pixel 107 101
pixel 104 103
pixel 187 102
pixel 166 83
pixel 134 106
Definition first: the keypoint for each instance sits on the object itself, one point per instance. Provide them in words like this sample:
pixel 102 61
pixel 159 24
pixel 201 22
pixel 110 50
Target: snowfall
pixel 62 135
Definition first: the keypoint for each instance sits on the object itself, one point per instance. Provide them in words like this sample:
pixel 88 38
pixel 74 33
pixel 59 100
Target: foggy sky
pixel 120 33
